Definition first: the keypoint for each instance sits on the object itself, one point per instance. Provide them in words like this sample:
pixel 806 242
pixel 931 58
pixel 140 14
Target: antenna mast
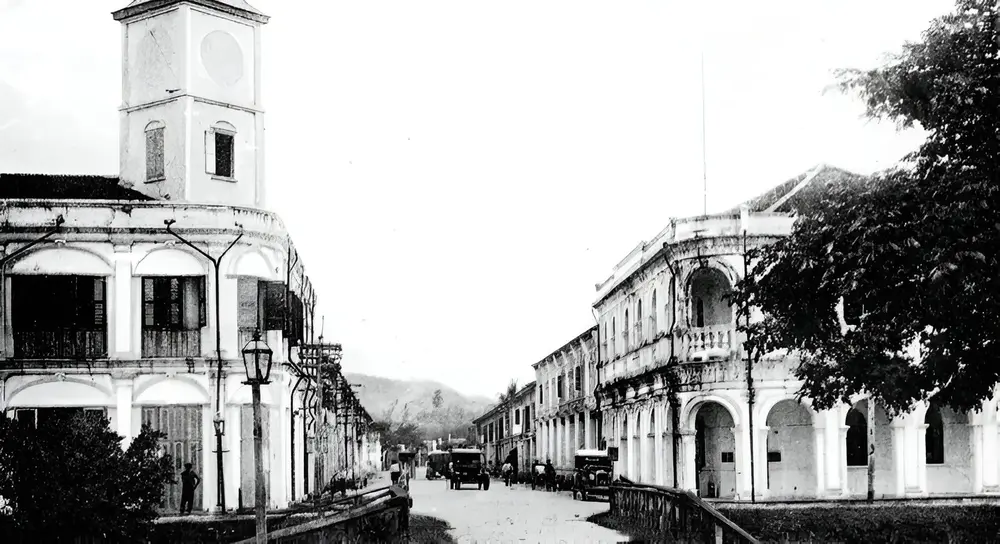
pixel 704 160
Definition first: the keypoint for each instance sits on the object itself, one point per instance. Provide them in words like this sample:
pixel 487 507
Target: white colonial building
pixel 567 419
pixel 127 296
pixel 506 428
pixel 666 326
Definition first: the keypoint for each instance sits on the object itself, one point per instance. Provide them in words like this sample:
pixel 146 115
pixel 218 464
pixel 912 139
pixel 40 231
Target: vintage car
pixel 592 474
pixel 468 468
pixel 437 464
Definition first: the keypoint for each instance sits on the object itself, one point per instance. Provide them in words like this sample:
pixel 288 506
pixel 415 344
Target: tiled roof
pixel 60 187
pixel 789 196
pixel 235 7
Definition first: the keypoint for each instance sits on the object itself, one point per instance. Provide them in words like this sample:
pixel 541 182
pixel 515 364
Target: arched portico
pixel 710 446
pixel 788 461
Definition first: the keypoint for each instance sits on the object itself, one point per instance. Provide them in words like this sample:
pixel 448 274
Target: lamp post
pixel 257 360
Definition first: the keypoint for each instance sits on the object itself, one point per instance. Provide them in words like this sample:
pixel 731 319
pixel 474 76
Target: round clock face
pixel 222 58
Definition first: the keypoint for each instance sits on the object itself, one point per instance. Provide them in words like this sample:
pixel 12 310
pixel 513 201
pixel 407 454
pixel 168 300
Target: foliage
pixel 430 530
pixel 407 433
pixel 871 524
pixel 70 477
pixel 916 246
pixel 438 400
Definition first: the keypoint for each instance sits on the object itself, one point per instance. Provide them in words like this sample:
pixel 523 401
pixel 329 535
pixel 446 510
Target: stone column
pixel 588 432
pixel 761 485
pixel 987 454
pixel 911 460
pixel 687 464
pixel 120 314
pixel 741 435
pixel 123 409
pixel 819 434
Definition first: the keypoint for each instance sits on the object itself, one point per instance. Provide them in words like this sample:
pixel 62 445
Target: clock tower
pixel 192 123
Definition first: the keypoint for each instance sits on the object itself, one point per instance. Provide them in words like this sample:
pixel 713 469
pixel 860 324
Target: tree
pixel 915 248
pixel 438 400
pixel 70 478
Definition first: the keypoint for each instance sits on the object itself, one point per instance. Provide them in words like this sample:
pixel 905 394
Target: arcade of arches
pixel 800 453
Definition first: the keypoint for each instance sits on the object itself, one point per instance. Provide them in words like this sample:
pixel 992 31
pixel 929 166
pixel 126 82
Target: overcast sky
pixel 458 175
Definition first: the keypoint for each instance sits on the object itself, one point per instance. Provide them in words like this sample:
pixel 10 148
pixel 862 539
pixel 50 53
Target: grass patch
pixel 430 530
pixel 848 524
pixel 877 523
pixel 629 528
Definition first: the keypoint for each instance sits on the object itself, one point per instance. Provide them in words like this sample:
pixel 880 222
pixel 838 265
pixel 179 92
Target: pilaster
pixel 120 318
pixel 690 479
pixel 123 387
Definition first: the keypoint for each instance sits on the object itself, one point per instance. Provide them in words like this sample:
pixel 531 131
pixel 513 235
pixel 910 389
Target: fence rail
pixel 679 513
pixel 381 515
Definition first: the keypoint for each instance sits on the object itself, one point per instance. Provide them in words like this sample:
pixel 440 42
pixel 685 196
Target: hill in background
pixel 406 401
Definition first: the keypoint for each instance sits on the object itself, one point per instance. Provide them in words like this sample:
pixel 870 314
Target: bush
pixel 70 478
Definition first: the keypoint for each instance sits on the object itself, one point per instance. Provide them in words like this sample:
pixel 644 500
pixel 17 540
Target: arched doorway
pixel 857 451
pixel 791 451
pixel 715 451
pixel 948 450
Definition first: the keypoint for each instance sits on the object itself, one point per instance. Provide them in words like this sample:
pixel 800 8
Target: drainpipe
pixel 291 395
pixel 597 439
pixel 674 404
pixel 20 251
pixel 749 371
pixel 218 352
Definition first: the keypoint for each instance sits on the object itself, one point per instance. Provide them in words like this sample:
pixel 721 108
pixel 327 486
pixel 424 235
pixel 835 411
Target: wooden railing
pixel 159 343
pixel 60 344
pixel 674 512
pixel 380 515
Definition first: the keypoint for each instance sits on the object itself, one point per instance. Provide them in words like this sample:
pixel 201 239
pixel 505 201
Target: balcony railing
pixel 159 343
pixel 60 344
pixel 713 337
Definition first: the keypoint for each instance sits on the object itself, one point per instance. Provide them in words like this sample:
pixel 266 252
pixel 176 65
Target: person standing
pixel 507 469
pixel 189 482
pixel 394 472
pixel 550 476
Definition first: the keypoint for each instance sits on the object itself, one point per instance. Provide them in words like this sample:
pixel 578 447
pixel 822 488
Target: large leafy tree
pixel 915 248
pixel 71 478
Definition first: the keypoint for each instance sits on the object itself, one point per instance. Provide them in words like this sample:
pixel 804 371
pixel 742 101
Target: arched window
pixel 611 339
pixel 857 439
pixel 625 331
pixel 220 146
pixel 638 321
pixel 154 151
pixel 652 316
pixel 934 440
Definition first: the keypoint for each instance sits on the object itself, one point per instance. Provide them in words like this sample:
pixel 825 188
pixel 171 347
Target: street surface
pixel 515 514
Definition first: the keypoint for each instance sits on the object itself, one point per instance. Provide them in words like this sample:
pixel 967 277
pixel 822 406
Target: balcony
pixel 712 341
pixel 60 344
pixel 171 344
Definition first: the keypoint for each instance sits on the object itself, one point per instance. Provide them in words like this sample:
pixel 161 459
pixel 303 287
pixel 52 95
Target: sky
pixel 459 175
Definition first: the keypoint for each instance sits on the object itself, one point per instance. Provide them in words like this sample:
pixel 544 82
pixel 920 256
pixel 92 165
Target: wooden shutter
pixel 247 313
pixel 272 297
pixel 148 303
pixel 154 154
pixel 210 151
pixel 202 303
pixel 99 314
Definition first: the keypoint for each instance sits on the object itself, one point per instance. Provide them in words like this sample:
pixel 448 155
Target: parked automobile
pixel 437 464
pixel 468 468
pixel 592 474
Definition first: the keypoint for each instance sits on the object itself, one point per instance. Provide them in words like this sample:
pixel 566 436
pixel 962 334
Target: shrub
pixel 70 478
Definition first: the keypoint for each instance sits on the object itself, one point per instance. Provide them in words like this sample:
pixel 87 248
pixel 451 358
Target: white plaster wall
pixel 790 432
pixel 155 57
pixel 241 91
pixel 956 475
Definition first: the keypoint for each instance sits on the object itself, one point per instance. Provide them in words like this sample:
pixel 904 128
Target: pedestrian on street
pixel 189 482
pixel 451 470
pixel 507 469
pixel 550 476
pixel 394 472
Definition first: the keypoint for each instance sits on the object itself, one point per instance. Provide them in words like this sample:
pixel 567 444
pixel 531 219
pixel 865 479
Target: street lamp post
pixel 257 360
